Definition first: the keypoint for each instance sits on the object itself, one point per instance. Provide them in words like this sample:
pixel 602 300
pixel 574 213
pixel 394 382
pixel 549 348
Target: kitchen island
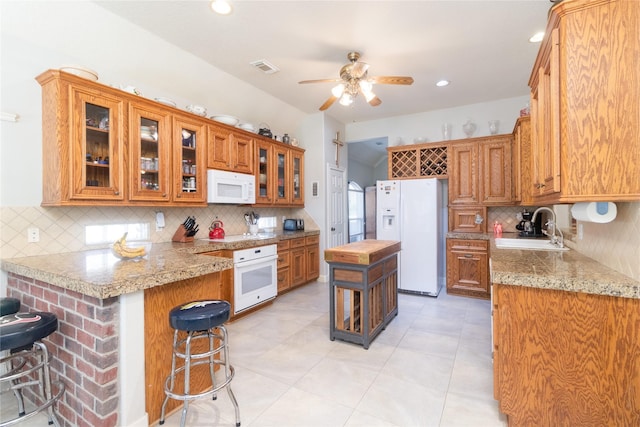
pixel 106 349
pixel 566 334
pixel 363 289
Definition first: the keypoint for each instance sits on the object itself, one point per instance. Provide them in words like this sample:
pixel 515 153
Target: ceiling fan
pixel 354 79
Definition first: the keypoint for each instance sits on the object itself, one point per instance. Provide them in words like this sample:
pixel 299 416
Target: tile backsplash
pixel 62 229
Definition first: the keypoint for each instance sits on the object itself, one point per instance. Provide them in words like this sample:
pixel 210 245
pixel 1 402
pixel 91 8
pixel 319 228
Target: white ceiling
pixel 480 46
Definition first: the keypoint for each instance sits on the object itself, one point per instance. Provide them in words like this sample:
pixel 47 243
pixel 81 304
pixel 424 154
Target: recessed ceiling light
pixel 442 83
pixel 537 37
pixel 222 7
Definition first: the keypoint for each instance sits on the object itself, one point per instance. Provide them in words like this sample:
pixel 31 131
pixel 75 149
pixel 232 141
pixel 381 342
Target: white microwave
pixel 230 187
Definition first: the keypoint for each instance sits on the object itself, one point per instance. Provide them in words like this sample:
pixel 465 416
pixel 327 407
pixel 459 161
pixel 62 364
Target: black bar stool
pixel 21 334
pixel 9 305
pixel 200 320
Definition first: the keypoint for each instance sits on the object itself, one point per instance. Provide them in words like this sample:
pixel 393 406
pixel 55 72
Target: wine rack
pixel 418 161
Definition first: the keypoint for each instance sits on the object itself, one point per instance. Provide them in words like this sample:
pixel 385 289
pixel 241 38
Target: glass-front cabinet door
pixel 189 167
pixel 297 178
pixel 264 173
pixel 96 148
pixel 149 153
pixel 283 179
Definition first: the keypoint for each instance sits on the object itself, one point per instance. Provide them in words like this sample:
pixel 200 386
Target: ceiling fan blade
pixel 320 81
pixel 391 80
pixel 328 103
pixel 375 101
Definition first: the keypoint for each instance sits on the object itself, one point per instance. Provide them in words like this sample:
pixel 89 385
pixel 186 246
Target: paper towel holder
pixel 599 212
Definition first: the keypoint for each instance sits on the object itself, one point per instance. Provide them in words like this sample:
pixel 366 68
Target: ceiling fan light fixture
pixel 365 86
pixel 346 99
pixel 222 7
pixel 338 90
pixel 369 96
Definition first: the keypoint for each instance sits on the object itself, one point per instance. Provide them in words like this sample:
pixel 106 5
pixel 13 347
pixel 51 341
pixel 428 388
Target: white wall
pixel 36 36
pixel 403 130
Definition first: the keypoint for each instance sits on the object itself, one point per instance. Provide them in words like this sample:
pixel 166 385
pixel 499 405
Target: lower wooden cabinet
pixel 565 358
pixel 468 268
pixel 298 265
pixel 298 262
pixel 312 253
pixel 284 275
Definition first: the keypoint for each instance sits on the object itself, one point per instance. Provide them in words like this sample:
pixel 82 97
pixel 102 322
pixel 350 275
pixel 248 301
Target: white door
pixel 337 207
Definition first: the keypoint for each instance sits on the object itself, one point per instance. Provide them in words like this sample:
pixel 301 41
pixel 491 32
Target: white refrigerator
pixel 414 212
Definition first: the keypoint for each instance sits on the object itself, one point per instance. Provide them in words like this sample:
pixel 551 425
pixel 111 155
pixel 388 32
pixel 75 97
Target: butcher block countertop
pixel 98 273
pixel 364 252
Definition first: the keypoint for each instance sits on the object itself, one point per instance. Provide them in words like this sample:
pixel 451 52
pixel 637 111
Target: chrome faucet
pixel 555 240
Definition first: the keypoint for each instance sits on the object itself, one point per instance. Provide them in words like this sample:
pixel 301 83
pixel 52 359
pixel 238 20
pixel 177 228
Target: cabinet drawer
pixel 283 259
pixel 462 219
pixel 468 245
pixel 297 242
pixel 312 240
pixel 283 245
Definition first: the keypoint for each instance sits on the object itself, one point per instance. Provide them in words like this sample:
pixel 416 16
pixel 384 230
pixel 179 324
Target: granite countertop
pixel 566 271
pixel 98 273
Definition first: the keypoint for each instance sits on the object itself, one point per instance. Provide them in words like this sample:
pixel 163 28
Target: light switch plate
pixel 159 220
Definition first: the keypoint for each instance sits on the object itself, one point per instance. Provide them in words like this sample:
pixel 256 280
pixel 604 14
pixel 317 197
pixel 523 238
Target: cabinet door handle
pixel 117 193
pixel 468 256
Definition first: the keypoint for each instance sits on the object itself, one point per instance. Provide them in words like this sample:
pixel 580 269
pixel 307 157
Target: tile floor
pixel 430 367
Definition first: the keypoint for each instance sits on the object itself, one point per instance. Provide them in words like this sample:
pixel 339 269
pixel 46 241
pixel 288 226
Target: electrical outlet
pixel 33 235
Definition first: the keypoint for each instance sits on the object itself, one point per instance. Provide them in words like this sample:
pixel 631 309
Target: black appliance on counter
pixel 292 224
pixel 528 228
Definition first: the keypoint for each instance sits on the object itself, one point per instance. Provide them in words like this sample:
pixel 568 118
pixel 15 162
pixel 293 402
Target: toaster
pixel 291 224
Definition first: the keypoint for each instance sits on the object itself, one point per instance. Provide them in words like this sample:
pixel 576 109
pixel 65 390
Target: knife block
pixel 181 235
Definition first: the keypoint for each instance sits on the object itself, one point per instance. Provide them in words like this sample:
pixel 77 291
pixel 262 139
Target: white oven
pixel 254 276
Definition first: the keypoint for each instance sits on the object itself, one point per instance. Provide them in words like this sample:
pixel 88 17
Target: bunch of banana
pixel 121 250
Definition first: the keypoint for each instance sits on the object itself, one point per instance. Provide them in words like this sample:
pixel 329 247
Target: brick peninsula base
pixel 84 349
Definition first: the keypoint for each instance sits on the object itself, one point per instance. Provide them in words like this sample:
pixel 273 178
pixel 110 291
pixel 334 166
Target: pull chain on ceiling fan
pixel 354 79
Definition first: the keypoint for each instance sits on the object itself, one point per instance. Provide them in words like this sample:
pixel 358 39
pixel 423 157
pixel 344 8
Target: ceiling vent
pixel 265 66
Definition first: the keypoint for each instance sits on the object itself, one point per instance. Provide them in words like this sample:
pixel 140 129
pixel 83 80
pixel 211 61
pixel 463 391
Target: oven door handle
pixel 255 261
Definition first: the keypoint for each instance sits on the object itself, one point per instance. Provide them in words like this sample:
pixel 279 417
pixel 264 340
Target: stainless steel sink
pixel 528 244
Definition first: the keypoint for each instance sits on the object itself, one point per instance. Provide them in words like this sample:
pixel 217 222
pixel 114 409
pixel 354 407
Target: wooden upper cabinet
pixel 282 175
pixel 297 177
pixel 265 173
pixel 495 171
pixel 89 129
pixel 149 153
pixel 83 132
pixel 521 162
pixel 585 86
pixel 545 101
pixel 279 174
pixel 188 157
pixel 463 174
pixel 229 150
pixel 480 171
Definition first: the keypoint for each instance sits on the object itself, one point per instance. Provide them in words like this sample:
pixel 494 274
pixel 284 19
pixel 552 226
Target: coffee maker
pixel 527 227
